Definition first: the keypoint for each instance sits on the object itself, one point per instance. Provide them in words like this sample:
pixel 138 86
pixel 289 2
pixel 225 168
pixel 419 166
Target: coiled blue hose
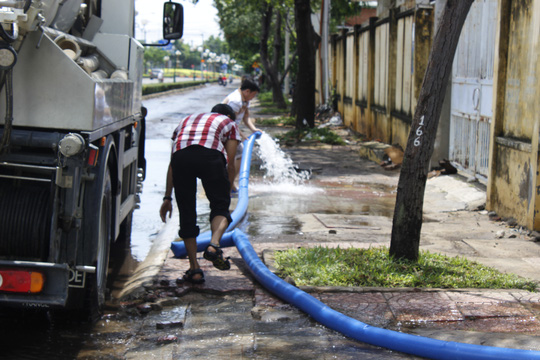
pixel 393 340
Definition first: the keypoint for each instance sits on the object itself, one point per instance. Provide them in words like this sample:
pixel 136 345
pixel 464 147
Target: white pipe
pixel 89 63
pixel 70 47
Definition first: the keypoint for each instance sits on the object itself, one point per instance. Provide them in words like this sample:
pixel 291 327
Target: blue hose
pixel 393 340
pixel 406 343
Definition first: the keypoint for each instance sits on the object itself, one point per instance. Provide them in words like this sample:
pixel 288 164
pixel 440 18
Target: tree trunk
pixel 272 67
pixel 304 91
pixel 407 222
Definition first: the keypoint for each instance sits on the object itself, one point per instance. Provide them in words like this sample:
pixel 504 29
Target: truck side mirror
pixel 173 21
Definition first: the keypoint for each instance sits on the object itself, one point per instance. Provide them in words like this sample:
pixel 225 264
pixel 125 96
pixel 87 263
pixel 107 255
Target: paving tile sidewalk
pixel 509 318
pixel 454 315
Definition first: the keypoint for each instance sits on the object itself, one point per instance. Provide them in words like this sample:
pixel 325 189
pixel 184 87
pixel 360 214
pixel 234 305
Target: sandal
pixel 189 277
pixel 217 258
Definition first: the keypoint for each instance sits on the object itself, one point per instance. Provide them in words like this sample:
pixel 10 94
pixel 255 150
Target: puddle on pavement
pixel 278 192
pixel 274 202
pixel 273 205
pixel 275 209
pixel 271 225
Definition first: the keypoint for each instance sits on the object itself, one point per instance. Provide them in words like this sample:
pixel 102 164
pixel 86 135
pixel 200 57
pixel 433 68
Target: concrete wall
pixel 513 177
pixel 378 72
pixel 513 185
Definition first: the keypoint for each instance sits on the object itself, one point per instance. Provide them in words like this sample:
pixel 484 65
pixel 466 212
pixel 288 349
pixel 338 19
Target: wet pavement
pixel 348 203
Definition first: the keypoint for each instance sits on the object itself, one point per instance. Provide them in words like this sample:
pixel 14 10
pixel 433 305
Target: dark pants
pixel 211 167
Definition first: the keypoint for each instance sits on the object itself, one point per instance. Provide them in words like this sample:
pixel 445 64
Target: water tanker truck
pixel 71 145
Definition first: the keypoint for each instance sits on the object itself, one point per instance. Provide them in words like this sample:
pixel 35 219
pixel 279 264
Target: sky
pixel 200 20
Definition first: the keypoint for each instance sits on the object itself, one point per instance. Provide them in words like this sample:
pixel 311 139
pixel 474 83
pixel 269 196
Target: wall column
pixel 499 95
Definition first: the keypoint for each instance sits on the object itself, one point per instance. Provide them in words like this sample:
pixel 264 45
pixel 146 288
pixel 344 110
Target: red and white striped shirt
pixel 210 130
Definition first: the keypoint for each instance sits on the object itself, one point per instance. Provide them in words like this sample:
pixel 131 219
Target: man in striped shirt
pixel 204 146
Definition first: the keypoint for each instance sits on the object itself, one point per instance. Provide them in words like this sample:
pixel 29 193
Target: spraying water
pixel 281 174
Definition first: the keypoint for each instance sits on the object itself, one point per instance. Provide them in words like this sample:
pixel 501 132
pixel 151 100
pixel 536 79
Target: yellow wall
pixel 513 179
pixel 512 184
pixel 400 132
pixel 366 70
pixel 522 76
pixel 348 114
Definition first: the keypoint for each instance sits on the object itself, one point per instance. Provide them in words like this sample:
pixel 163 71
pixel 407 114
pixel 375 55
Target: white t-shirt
pixel 239 107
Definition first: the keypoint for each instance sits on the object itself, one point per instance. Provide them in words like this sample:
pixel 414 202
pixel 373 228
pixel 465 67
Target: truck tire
pixel 98 281
pixel 124 237
pixel 85 305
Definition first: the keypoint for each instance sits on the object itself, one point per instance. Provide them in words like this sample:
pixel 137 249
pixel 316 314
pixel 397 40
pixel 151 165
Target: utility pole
pixel 202 59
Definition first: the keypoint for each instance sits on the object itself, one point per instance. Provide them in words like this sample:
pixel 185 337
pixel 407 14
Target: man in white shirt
pixel 239 101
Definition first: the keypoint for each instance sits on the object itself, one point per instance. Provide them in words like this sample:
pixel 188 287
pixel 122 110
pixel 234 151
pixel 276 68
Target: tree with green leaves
pixel 188 58
pixel 240 23
pixel 153 56
pixel 249 22
pixel 272 16
pixel 216 45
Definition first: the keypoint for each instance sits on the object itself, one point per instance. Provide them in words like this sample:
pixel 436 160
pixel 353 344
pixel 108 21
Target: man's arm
pixel 249 123
pixel 230 148
pixel 166 206
pixel 242 135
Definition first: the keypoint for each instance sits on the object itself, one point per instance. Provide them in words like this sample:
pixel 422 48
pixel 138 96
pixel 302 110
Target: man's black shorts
pixel 210 166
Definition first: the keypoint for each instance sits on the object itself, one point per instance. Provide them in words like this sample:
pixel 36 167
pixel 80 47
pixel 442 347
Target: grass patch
pixel 265 98
pixel 323 135
pixel 267 105
pixel 278 120
pixel 373 267
pixel 269 110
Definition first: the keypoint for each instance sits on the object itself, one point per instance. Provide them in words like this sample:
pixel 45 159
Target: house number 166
pixel 419 132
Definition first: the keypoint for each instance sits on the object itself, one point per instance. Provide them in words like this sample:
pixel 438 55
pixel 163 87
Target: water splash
pixel 281 174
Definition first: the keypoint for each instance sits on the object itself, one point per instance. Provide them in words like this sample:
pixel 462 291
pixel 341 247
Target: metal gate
pixel 472 90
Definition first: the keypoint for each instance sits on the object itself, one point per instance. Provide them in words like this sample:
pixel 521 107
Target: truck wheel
pixel 125 230
pixel 98 287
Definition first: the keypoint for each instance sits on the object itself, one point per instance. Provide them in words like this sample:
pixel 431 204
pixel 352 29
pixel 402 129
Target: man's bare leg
pixel 218 226
pixel 191 249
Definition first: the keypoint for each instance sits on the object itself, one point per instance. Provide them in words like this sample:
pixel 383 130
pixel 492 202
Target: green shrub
pixel 278 120
pixel 265 98
pixel 148 89
pixel 323 135
pixel 267 105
